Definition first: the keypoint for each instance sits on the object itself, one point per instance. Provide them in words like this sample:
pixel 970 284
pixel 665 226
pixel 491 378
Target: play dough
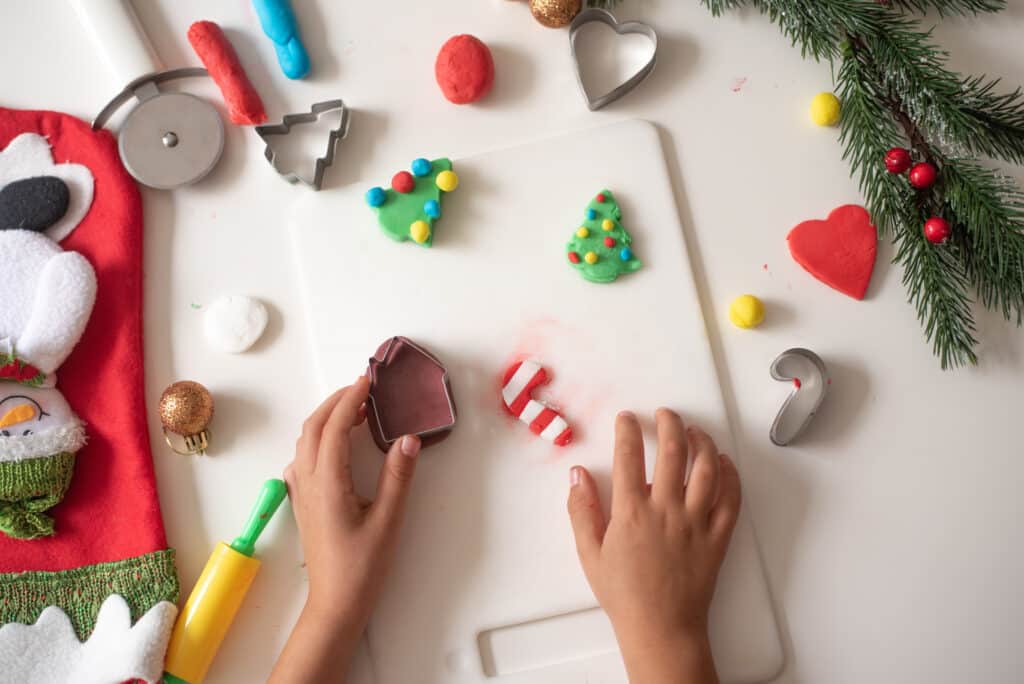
pixel 518 383
pixel 408 209
pixel 825 109
pixel 234 323
pixel 409 394
pixel 464 69
pixel 839 251
pixel 746 311
pixel 600 248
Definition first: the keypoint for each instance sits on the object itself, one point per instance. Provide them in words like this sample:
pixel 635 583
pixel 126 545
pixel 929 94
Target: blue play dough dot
pixel 420 167
pixel 591 214
pixel 432 209
pixel 626 254
pixel 375 196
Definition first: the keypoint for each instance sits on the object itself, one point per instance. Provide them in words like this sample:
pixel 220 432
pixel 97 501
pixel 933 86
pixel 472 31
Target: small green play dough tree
pixel 409 208
pixel 600 249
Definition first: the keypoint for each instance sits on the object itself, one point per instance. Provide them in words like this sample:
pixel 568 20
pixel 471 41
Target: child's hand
pixel 653 566
pixel 348 541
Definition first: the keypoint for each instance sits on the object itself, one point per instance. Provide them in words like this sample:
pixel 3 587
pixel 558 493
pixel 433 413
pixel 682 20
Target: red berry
pixel 600 197
pixel 609 242
pixel 897 160
pixel 574 257
pixel 937 230
pixel 922 176
pixel 403 182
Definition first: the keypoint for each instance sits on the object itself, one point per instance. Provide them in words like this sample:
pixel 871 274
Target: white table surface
pixel 890 535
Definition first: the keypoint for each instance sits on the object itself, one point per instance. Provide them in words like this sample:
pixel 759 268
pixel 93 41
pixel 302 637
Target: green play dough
pixel 401 210
pixel 609 264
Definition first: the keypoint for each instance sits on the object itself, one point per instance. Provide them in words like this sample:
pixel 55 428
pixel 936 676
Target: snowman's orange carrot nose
pixel 18 414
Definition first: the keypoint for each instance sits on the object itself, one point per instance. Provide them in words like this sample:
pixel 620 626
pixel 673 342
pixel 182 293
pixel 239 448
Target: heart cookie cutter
pixel 605 17
pixel 317 110
pixel 809 376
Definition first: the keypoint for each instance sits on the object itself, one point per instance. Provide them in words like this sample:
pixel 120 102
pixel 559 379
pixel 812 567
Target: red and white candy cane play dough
pixel 519 381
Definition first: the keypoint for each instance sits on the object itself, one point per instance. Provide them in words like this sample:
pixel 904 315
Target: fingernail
pixel 627 414
pixel 410 446
pixel 725 459
pixel 574 476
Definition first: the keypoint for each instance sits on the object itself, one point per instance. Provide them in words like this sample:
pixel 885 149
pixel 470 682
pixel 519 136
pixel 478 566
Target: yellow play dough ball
pixel 590 258
pixel 582 232
pixel 826 109
pixel 607 224
pixel 746 311
pixel 447 181
pixel 419 231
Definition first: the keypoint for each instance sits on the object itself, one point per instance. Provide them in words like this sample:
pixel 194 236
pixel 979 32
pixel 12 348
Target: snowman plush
pixel 46 298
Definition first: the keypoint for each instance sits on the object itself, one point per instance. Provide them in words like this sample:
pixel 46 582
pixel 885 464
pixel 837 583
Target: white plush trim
pixel 48 652
pixel 28 156
pixel 66 438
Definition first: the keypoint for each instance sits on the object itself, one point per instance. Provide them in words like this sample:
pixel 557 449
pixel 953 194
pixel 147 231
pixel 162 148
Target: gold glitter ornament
pixel 186 409
pixel 555 13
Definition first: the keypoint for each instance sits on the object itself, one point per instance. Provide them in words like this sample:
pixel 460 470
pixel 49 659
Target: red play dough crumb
pixel 464 69
pixel 244 104
pixel 839 251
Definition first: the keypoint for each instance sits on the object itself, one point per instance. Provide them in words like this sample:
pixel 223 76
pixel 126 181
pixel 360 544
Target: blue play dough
pixel 420 167
pixel 375 197
pixel 278 22
pixel 626 254
pixel 432 209
pixel 591 214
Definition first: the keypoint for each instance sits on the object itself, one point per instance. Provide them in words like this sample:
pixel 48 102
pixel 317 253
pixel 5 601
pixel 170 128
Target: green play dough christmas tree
pixel 600 250
pixel 408 209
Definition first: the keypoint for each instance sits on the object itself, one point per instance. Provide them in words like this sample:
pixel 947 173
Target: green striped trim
pixel 143 581
pixel 28 488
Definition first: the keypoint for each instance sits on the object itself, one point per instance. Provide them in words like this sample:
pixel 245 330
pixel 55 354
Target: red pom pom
pixel 403 182
pixel 574 257
pixel 609 242
pixel 923 175
pixel 897 160
pixel 937 230
pixel 464 69
pixel 600 197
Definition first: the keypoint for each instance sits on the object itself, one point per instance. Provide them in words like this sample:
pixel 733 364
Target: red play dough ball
pixel 403 182
pixel 464 69
pixel 609 242
pixel 574 257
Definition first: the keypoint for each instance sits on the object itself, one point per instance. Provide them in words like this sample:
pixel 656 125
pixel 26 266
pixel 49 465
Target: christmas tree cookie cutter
pixel 316 111
pixel 809 376
pixel 605 17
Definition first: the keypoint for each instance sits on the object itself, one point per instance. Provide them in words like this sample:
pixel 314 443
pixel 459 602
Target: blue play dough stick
pixel 279 24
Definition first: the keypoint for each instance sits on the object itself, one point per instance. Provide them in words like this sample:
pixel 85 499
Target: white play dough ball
pixel 234 323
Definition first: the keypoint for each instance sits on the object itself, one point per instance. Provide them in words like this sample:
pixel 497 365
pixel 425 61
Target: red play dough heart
pixel 839 251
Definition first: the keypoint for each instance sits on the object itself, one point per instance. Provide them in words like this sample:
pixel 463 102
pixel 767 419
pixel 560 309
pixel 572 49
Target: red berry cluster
pixel 922 176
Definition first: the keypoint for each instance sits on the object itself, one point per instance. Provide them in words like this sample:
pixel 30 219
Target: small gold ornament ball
pixel 186 408
pixel 555 13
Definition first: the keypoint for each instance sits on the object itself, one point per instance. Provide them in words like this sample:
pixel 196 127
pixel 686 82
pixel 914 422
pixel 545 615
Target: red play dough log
pixel 839 251
pixel 464 69
pixel 245 107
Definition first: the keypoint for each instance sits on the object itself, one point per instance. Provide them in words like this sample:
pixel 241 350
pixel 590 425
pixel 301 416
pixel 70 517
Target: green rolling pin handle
pixel 271 496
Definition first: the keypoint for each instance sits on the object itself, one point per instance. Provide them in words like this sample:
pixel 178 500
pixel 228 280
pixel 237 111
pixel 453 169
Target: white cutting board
pixel 486 583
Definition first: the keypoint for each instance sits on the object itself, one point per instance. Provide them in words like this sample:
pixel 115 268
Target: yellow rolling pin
pixel 218 594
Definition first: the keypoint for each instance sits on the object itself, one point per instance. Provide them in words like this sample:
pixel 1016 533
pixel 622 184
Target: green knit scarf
pixel 27 489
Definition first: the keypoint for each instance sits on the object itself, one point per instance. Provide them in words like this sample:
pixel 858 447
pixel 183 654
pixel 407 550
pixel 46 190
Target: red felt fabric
pixel 111 510
pixel 244 104
pixel 839 251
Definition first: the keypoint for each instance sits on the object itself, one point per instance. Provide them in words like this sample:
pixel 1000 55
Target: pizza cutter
pixel 168 139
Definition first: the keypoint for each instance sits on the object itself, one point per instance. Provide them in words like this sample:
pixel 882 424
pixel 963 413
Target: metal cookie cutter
pixel 807 372
pixel 284 128
pixel 606 17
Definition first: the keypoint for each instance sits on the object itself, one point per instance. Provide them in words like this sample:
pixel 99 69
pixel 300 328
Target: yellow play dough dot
pixel 419 231
pixel 590 258
pixel 608 224
pixel 582 232
pixel 447 181
pixel 825 109
pixel 746 311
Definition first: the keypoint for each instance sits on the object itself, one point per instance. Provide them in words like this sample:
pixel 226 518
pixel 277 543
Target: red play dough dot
pixel 797 383
pixel 464 69
pixel 609 242
pixel 574 257
pixel 403 182
pixel 600 197
pixel 839 251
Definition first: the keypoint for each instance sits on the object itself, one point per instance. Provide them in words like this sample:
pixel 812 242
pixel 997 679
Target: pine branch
pixel 948 7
